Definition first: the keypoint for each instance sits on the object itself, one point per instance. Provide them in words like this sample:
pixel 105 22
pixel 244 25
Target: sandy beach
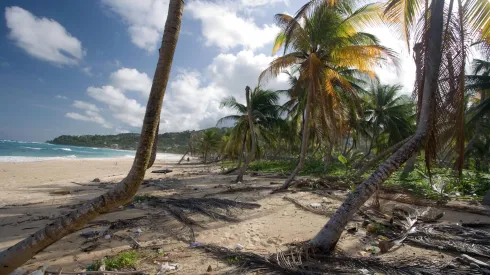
pixel 31 198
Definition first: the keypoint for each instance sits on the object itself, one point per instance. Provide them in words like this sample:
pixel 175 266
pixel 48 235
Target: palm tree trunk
pixel 154 148
pixel 329 235
pixel 251 154
pixel 304 141
pixel 183 156
pixel 21 252
pixel 409 166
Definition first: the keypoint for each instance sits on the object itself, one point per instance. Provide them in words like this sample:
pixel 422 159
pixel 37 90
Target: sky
pixel 86 67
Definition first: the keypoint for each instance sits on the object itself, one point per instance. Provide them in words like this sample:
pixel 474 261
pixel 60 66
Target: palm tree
pixel 329 54
pixel 208 142
pixel 387 115
pixel 266 118
pixel 253 137
pixel 23 251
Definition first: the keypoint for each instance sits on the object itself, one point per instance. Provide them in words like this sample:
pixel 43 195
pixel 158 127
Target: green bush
pixel 126 259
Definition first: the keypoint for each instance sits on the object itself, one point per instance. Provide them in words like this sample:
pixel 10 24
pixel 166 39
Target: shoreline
pixel 24 159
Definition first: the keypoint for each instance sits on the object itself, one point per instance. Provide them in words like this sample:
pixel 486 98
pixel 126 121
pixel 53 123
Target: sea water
pixel 21 151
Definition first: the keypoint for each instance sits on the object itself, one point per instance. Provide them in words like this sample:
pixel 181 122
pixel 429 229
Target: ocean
pixel 20 151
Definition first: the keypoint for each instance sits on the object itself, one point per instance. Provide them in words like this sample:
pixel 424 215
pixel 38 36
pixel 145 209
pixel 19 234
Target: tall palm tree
pixel 23 251
pixel 325 46
pixel 387 115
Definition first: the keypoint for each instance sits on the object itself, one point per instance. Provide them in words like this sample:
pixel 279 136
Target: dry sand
pixel 28 203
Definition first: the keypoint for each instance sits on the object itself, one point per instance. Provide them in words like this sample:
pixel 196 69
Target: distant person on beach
pixel 187 159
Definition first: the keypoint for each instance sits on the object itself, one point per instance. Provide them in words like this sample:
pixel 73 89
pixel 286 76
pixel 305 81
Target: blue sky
pixel 85 67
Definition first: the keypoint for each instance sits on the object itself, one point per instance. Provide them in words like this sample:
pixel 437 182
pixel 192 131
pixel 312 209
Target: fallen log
pixel 164 171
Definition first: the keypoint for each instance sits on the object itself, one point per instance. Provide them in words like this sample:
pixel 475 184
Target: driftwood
pixel 164 171
pixel 475 261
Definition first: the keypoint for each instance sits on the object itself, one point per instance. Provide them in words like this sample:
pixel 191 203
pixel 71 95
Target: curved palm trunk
pixel 154 148
pixel 329 235
pixel 251 154
pixel 21 252
pixel 304 142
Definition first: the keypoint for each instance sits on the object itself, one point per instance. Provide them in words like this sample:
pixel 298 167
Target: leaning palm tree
pixel 325 46
pixel 23 251
pixel 442 37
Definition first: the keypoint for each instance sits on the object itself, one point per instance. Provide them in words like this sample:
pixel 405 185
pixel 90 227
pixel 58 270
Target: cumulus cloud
pixel 405 74
pixel 227 75
pixel 128 79
pixel 42 38
pixel 145 20
pixel 85 106
pixel 193 97
pixel 124 109
pixel 223 27
pixel 91 113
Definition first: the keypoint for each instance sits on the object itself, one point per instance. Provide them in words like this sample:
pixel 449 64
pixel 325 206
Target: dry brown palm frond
pixel 183 209
pixel 304 260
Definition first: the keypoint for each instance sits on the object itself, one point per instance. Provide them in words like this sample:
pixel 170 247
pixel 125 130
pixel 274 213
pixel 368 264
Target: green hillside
pixel 168 142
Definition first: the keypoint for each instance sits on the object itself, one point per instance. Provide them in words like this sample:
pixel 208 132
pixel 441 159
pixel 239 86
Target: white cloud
pixel 405 75
pixel 85 106
pixel 77 116
pixel 193 97
pixel 257 3
pixel 61 97
pixel 87 71
pixel 43 38
pixel 224 28
pixel 145 20
pixel 227 75
pixel 128 79
pixel 91 113
pixel 126 110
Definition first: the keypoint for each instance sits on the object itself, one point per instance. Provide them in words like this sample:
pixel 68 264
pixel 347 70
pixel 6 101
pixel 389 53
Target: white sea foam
pixel 33 159
pixel 64 149
pixel 32 148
